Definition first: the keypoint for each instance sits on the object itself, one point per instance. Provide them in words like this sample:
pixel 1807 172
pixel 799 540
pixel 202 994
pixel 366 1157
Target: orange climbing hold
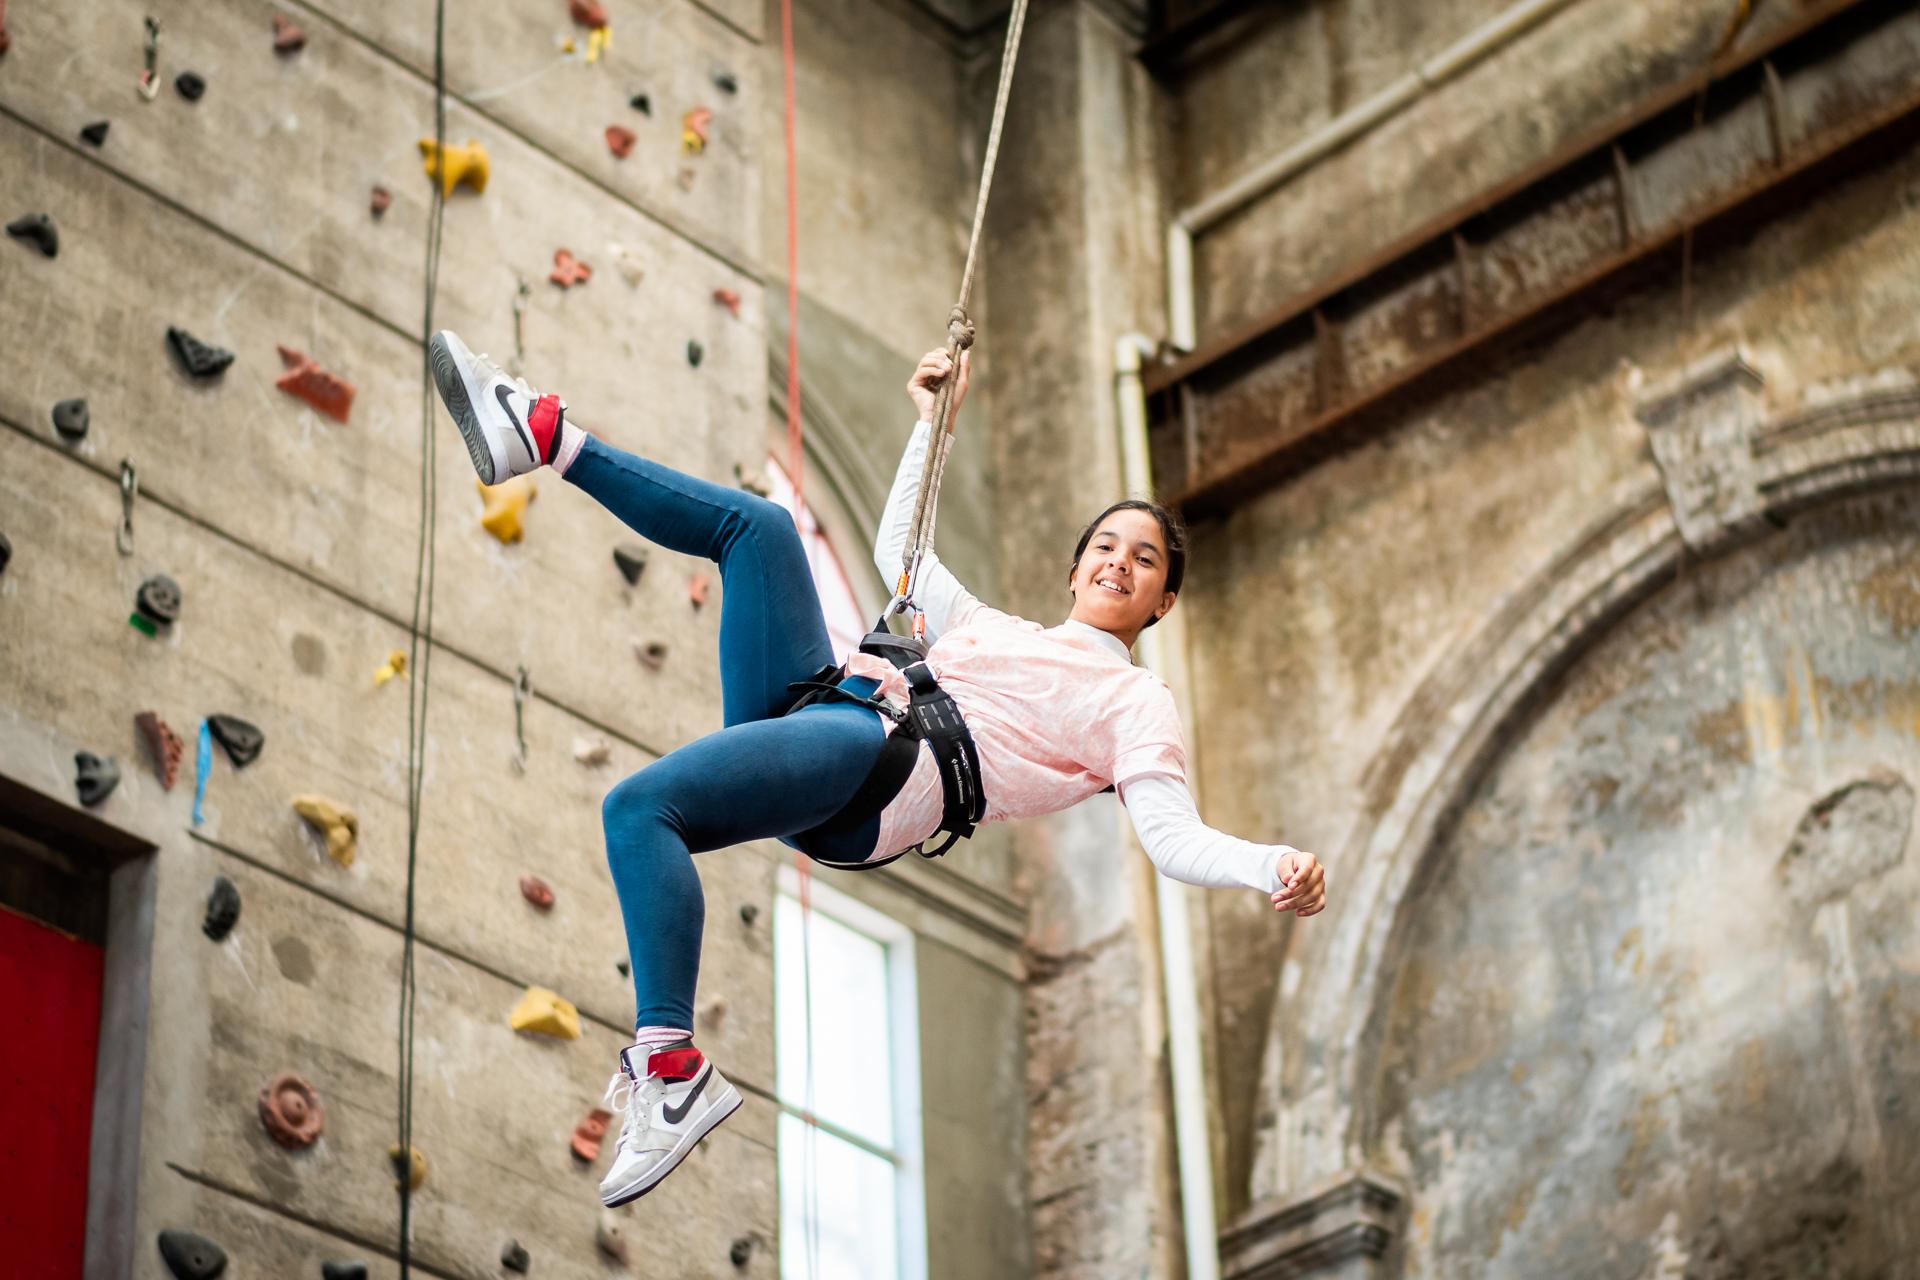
pixel 545 1013
pixel 729 299
pixel 290 1110
pixel 568 270
pixel 506 506
pixel 330 393
pixel 468 164
pixel 620 140
pixel 333 822
pixel 588 13
pixel 697 589
pixel 287 38
pixel 589 1133
pixel 693 130
pixel 537 891
pixel 163 745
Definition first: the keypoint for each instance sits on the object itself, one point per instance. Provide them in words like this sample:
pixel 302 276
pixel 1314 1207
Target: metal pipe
pixel 1162 650
pixel 1485 39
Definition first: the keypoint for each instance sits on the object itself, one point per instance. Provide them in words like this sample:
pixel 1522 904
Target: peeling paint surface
pixel 1657 1005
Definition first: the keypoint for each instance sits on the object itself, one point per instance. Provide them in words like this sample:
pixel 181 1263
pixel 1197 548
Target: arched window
pixel 846 624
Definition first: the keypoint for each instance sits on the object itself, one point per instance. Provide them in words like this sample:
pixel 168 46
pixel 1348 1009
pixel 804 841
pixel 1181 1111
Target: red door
pixel 49 1035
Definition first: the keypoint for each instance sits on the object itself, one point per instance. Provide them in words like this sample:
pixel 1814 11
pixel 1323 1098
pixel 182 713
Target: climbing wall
pixel 261 197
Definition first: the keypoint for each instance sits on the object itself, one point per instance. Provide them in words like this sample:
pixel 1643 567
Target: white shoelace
pixel 633 1102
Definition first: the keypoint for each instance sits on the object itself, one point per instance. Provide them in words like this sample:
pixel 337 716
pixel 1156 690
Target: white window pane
pixel 852 1059
pixel 852 1193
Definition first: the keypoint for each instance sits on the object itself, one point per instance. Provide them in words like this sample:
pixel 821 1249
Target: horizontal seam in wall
pixel 727 257
pixel 325 1228
pixel 333 589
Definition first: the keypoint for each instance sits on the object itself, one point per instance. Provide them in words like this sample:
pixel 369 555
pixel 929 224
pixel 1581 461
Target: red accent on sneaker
pixel 544 419
pixel 675 1064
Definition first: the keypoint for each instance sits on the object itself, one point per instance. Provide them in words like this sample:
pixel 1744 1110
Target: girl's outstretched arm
pixel 1186 849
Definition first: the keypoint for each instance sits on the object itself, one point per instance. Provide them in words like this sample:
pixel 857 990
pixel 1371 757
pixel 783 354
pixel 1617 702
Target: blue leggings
pixel 764 775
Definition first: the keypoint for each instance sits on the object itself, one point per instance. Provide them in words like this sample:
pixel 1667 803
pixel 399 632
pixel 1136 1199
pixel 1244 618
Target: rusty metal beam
pixel 1245 411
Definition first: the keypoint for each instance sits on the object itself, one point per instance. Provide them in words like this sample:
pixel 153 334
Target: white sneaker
pixel 679 1100
pixel 510 428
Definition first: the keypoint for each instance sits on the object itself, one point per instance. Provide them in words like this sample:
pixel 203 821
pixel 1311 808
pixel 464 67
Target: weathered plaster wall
pixel 243 218
pixel 1319 608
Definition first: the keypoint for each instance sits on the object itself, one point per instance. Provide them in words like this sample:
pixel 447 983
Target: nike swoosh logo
pixel 500 394
pixel 674 1115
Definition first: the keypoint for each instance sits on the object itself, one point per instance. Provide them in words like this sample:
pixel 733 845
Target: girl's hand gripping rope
pixel 924 387
pixel 1303 884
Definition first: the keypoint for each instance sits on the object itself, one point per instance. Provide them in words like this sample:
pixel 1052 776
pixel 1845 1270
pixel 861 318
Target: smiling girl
pixel 1053 715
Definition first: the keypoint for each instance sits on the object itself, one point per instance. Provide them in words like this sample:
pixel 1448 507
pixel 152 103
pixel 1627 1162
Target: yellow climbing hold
pixel 541 1011
pixel 415 1163
pixel 333 821
pixel 468 164
pixel 396 664
pixel 506 504
pixel 597 41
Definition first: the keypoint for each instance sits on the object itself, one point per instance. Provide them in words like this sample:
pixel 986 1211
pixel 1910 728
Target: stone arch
pixel 1724 478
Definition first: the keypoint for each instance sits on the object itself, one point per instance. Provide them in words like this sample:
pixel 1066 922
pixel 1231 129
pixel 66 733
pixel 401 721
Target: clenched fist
pixel 927 377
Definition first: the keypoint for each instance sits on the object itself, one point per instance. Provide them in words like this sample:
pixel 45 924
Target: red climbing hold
pixel 728 299
pixel 697 589
pixel 537 891
pixel 568 270
pixel 380 200
pixel 328 392
pixel 620 140
pixel 587 1135
pixel 290 1110
pixel 287 38
pixel 5 39
pixel 163 744
pixel 588 13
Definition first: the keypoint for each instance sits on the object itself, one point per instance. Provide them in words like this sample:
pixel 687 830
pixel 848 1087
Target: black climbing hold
pixel 695 353
pixel 642 103
pixel 355 1270
pixel 37 229
pixel 223 909
pixel 241 740
pixel 200 359
pixel 70 419
pixel 631 561
pixel 192 1257
pixel 742 1250
pixel 724 81
pixel 96 133
pixel 158 599
pixel 94 778
pixel 6 552
pixel 191 85
pixel 514 1257
pixel 749 913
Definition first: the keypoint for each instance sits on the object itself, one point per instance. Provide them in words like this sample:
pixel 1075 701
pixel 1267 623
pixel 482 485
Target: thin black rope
pixel 420 641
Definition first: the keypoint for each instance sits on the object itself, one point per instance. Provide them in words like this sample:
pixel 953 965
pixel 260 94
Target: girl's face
pixel 1121 580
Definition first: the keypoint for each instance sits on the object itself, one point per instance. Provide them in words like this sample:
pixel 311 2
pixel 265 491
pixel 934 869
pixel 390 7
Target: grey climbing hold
pixel 96 133
pixel 632 561
pixel 695 353
pixel 514 1257
pixel 192 1257
pixel 71 419
pixel 742 1250
pixel 241 740
pixel 6 552
pixel 642 103
pixel 158 599
pixel 200 359
pixel 355 1270
pixel 223 909
pixel 190 85
pixel 748 914
pixel 94 778
pixel 724 81
pixel 37 229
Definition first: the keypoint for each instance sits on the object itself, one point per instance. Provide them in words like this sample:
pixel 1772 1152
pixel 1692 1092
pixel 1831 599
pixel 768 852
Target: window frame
pixel 908 1155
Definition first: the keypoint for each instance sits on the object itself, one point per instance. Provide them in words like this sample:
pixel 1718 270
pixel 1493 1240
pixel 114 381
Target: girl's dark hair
pixel 1171 529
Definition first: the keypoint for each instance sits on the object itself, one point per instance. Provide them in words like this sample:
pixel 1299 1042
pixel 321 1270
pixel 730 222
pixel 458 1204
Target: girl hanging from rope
pixel 1053 716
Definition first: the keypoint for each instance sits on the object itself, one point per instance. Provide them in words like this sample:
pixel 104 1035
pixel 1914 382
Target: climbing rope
pixel 960 335
pixel 419 645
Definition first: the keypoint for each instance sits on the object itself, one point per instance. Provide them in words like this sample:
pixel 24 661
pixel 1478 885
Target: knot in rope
pixel 959 329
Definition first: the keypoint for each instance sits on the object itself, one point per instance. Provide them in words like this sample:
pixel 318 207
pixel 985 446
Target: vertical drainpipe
pixel 1163 650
